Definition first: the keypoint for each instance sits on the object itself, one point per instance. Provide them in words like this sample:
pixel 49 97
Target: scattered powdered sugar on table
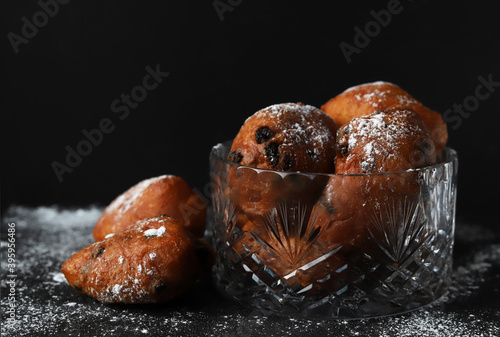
pixel 58 277
pixel 467 278
pixel 47 306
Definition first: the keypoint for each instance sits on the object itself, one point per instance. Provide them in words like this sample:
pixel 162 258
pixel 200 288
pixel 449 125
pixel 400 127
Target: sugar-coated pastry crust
pixel 355 210
pixel 384 141
pixel 286 137
pixel 349 216
pixel 153 260
pixel 364 99
pixel 165 194
pixel 283 137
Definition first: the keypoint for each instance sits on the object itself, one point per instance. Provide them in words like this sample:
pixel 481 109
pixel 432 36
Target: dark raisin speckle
pixel 263 134
pixel 235 157
pixel 98 251
pixel 273 153
pixel 342 140
pixel 310 153
pixel 342 149
pixel 160 288
pixel 287 163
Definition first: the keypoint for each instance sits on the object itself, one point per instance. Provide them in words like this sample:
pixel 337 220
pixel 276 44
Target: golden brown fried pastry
pixel 165 194
pixel 384 141
pixel 286 137
pixel 153 260
pixel 282 137
pixel 342 234
pixel 355 210
pixel 365 99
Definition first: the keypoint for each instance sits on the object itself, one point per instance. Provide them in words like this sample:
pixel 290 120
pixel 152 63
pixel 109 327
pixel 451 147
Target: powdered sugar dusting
pixel 381 138
pixel 155 232
pixel 307 130
pixel 302 131
pixel 58 277
pixel 378 98
pixel 377 83
pixel 47 306
pixel 125 201
pixel 117 288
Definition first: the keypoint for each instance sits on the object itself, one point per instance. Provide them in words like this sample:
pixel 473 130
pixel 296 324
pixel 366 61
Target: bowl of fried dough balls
pixel 344 211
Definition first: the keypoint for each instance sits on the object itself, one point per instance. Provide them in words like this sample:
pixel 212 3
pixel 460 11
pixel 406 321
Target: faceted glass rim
pixel 446 157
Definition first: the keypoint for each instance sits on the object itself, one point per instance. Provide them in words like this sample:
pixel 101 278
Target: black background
pixel 221 71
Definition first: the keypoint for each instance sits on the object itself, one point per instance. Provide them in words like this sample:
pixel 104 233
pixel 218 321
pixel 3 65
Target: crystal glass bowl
pixel 332 245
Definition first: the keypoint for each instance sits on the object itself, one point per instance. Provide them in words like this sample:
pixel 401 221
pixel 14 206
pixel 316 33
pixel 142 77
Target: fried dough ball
pixel 153 260
pixel 364 99
pixel 283 137
pixel 286 137
pixel 165 194
pixel 384 141
pixel 350 205
pixel 354 210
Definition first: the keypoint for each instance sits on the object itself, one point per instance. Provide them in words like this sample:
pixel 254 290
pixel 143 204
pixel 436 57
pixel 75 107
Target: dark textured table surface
pixel 46 306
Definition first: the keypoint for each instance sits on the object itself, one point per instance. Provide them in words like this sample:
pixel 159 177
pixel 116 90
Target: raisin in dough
pixel 153 260
pixel 286 137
